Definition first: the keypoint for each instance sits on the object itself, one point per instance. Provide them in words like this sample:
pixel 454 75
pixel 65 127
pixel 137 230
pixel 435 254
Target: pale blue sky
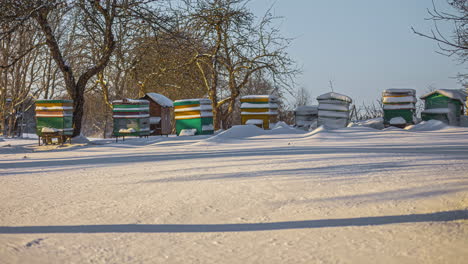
pixel 364 46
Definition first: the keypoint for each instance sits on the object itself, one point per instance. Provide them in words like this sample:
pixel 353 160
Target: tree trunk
pixel 78 110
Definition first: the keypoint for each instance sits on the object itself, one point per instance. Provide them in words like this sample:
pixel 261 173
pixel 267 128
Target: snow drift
pixel 430 125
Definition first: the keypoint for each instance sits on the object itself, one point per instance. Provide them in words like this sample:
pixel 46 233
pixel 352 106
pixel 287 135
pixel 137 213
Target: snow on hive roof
pixel 450 93
pixel 200 100
pixel 335 96
pixel 130 101
pixel 306 108
pixel 259 97
pixel 400 91
pixel 160 99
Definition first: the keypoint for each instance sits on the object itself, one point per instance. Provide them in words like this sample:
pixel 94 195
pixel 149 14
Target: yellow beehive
pixel 259 110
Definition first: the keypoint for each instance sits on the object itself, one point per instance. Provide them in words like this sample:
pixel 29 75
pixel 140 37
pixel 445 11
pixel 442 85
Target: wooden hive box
pixel 333 110
pixel 399 107
pixel 446 105
pixel 194 114
pixel 131 118
pixel 54 116
pixel 259 110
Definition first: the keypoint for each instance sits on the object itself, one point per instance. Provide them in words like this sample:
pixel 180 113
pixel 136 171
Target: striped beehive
pixel 445 105
pixel 259 110
pixel 399 107
pixel 306 116
pixel 333 110
pixel 131 118
pixel 195 115
pixel 54 117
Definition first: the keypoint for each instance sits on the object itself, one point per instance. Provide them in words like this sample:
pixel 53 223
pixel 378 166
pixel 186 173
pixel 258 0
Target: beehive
pixel 399 107
pixel 306 116
pixel 445 105
pixel 54 117
pixel 195 115
pixel 333 110
pixel 259 110
pixel 131 118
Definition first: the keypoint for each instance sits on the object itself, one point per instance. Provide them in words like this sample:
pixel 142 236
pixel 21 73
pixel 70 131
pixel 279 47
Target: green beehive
pixel 445 105
pixel 131 118
pixel 399 107
pixel 194 116
pixel 54 117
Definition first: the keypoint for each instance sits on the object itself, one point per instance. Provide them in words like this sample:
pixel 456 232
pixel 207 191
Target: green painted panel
pixel 406 114
pixel 437 101
pixel 207 120
pixel 195 123
pixel 186 103
pixel 136 123
pixel 440 117
pixel 54 122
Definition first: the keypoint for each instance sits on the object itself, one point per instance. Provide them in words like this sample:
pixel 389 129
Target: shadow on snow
pixel 248 227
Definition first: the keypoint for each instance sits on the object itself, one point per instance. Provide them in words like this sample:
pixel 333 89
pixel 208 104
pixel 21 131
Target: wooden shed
pixel 333 110
pixel 259 110
pixel 446 105
pixel 161 109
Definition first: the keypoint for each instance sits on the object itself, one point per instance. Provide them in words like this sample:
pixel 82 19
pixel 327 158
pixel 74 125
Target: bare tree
pixel 302 97
pixel 457 44
pixel 19 75
pixel 239 45
pixel 95 24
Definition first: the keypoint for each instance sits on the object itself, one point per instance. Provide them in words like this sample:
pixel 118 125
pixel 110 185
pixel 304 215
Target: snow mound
pixel 246 131
pixel 430 125
pixel 281 124
pixel 80 140
pixel 316 131
pixel 376 123
pixel 397 121
pixel 464 121
pixel 283 128
pixel 236 132
pixel 393 128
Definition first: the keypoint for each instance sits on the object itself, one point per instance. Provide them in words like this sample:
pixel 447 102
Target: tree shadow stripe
pixel 247 227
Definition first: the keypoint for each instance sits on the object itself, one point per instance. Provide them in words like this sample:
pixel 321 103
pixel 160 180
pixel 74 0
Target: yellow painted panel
pixel 54 104
pixel 255 100
pixel 187 113
pixel 186 117
pixel 186 106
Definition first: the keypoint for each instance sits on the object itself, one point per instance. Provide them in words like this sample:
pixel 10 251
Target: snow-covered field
pixel 353 195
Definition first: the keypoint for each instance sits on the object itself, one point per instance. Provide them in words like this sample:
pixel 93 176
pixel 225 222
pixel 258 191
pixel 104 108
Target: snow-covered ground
pixel 353 195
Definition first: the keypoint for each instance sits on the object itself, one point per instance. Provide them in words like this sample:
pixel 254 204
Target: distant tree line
pixel 96 51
